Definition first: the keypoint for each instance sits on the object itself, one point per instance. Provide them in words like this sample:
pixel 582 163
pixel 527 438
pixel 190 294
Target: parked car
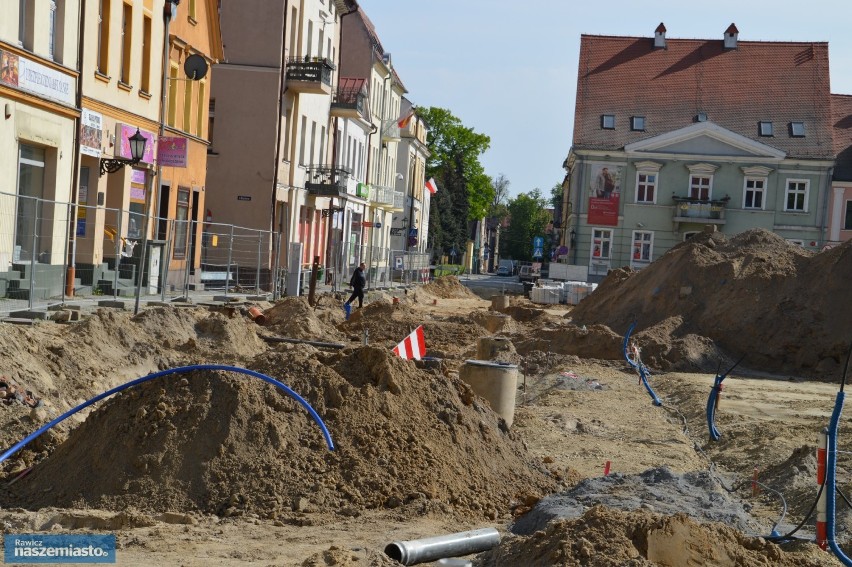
pixel 504 271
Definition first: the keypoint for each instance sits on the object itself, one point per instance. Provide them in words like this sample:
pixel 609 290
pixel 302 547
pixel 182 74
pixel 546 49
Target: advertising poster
pixel 604 195
pixel 91 133
pixel 172 151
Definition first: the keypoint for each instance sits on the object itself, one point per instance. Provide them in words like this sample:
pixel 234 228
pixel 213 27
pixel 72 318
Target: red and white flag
pixel 431 186
pixel 412 346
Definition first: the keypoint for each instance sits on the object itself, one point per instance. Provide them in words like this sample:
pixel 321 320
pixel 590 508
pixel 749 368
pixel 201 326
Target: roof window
pixel 608 121
pixel 797 129
pixel 637 123
pixel 765 128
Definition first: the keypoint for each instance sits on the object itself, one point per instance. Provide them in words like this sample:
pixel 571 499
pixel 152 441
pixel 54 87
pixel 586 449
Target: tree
pixel 528 218
pixel 464 191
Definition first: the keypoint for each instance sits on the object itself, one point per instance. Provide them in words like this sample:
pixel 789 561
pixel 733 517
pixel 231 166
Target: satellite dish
pixel 195 67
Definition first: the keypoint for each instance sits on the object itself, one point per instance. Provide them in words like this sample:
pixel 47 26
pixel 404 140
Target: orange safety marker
pixel 755 488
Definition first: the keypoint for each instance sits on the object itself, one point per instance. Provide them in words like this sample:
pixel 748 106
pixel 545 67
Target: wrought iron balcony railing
pixel 349 103
pixel 309 74
pixel 327 181
pixel 710 210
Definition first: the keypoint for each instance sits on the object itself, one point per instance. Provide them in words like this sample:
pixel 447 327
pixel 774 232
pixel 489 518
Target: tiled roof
pixel 841 121
pixel 780 82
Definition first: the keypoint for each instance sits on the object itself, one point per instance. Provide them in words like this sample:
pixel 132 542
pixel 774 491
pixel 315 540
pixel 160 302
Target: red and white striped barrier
pixel 821 533
pixel 412 346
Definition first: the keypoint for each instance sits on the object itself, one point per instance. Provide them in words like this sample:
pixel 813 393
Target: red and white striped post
pixel 821 536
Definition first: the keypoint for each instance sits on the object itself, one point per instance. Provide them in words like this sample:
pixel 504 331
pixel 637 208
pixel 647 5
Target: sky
pixel 508 69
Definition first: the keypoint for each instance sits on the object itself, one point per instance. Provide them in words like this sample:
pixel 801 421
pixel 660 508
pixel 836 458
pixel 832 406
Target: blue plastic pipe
pixel 640 367
pixel 831 479
pixel 711 407
pixel 180 370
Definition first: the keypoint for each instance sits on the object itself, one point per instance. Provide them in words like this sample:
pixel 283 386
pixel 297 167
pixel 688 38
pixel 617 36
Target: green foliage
pixel 464 191
pixel 528 219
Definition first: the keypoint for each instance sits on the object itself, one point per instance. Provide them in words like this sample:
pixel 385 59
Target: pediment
pixel 707 139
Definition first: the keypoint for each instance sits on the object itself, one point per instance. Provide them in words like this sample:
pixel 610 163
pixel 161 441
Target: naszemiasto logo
pixel 53 548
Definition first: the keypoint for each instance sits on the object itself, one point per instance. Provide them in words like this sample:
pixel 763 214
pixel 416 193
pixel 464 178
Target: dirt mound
pixel 753 294
pixel 448 287
pixel 604 537
pixel 215 443
pixel 293 317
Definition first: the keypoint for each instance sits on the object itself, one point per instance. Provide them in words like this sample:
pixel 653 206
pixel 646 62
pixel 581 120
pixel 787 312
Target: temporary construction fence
pixel 42 263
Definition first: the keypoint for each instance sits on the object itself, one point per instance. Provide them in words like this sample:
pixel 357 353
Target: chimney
pixel 660 36
pixel 731 37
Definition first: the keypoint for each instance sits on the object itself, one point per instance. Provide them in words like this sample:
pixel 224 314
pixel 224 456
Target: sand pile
pixel 293 317
pixel 787 309
pixel 448 287
pixel 219 444
pixel 603 537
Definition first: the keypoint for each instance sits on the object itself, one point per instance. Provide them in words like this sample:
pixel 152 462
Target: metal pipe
pixel 438 547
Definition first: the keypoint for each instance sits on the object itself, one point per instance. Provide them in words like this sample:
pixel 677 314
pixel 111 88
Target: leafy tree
pixel 464 191
pixel 528 219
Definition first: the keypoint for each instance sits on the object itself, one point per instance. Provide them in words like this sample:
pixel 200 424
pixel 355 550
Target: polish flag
pixel 412 346
pixel 431 186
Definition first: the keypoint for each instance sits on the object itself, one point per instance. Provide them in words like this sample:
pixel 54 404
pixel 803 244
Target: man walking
pixel 358 283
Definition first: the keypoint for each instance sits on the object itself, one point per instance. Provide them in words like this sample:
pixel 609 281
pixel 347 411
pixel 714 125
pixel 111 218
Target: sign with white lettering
pixel 91 133
pixel 243 197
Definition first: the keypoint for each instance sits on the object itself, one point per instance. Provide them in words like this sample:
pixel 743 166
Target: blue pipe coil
pixel 179 370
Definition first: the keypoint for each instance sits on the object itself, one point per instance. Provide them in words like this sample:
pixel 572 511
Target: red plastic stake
pixel 755 488
pixel 606 468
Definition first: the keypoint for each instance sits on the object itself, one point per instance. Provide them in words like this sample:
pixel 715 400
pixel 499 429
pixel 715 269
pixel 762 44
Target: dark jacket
pixel 359 280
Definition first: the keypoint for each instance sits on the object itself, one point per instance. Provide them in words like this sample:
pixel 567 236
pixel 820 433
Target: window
pixel 187 105
pixel 51 31
pixel 765 128
pixel 643 244
pixel 646 184
pixel 322 147
pixel 22 22
pixel 211 115
pixel 847 225
pixel 181 222
pixel 701 117
pixel 126 42
pixel 608 121
pixel 313 142
pixel 191 10
pixel 753 193
pixel 145 82
pixel 637 123
pixel 699 187
pixel 103 38
pixel 601 244
pixel 797 129
pixel 796 199
pixel 199 109
pixel 301 136
pixel 173 83
pixel 29 219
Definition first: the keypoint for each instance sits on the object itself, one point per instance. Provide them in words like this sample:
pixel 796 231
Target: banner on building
pixel 604 195
pixel 172 151
pixel 27 75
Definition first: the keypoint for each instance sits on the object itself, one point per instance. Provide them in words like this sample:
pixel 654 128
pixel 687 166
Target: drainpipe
pixel 282 90
pixel 71 252
pixel 823 229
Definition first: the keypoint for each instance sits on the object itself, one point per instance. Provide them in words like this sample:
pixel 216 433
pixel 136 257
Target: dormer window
pixel 765 128
pixel 637 123
pixel 797 129
pixel 701 117
pixel 608 121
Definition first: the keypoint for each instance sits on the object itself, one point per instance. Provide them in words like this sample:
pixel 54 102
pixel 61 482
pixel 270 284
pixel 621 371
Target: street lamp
pixel 137 152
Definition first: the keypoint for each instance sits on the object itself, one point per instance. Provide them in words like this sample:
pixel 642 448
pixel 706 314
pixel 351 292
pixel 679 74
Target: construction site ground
pixel 213 467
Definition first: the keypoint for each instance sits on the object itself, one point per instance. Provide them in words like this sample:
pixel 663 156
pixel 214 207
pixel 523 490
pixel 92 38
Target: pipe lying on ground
pixel 438 547
pixel 302 341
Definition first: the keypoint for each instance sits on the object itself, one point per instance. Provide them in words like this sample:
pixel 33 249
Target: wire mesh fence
pixel 53 252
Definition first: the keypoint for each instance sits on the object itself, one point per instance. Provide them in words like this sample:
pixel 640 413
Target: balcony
pixel 387 197
pixel 703 211
pixel 310 75
pixel 390 131
pixel 349 103
pixel 327 181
